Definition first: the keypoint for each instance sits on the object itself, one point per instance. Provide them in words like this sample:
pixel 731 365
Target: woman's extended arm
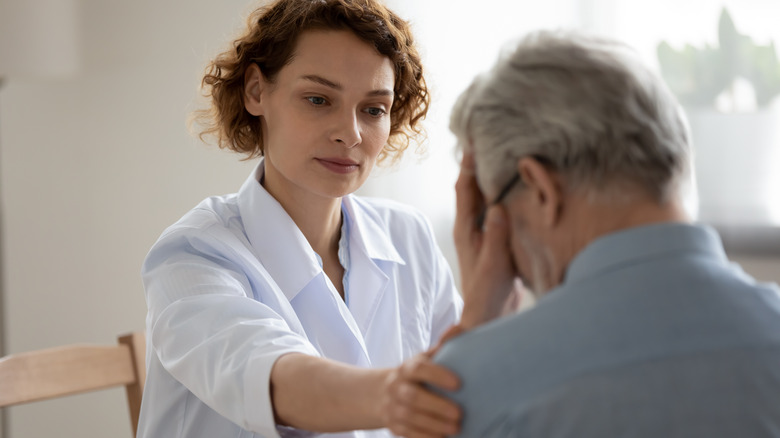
pixel 318 394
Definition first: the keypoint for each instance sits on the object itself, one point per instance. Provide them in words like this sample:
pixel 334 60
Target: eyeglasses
pixel 505 190
pixel 546 162
pixel 501 195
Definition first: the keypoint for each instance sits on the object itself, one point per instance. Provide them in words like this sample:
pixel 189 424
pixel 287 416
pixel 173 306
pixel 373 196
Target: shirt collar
pixel 283 249
pixel 642 243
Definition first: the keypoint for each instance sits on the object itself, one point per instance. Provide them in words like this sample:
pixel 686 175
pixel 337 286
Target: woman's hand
pixel 484 255
pixel 409 409
pixel 322 395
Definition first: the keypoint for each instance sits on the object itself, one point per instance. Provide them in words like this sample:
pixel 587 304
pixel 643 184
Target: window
pixel 731 102
pixel 737 145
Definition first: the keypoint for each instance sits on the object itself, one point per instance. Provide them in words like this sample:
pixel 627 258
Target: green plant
pixel 699 75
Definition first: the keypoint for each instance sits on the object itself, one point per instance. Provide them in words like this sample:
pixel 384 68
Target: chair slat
pixel 72 369
pixel 60 371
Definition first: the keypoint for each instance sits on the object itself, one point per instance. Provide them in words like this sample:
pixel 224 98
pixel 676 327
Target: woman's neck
pixel 320 224
pixel 318 218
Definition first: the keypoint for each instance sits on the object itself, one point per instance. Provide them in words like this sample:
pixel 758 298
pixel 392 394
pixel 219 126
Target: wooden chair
pixel 72 369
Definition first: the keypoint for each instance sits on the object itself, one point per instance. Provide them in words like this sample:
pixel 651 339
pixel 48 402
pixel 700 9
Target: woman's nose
pixel 347 130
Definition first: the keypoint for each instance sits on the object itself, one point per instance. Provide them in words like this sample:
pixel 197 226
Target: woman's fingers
pixel 453 331
pixel 427 404
pixel 427 413
pixel 422 370
pixel 418 410
pixel 413 409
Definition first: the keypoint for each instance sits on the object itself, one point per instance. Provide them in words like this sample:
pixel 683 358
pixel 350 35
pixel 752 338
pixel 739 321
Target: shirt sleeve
pixel 209 332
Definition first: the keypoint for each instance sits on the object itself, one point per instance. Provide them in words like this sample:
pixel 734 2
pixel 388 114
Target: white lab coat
pixel 234 284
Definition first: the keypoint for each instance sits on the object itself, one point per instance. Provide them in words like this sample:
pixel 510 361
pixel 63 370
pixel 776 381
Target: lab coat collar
pixel 366 232
pixel 278 243
pixel 283 249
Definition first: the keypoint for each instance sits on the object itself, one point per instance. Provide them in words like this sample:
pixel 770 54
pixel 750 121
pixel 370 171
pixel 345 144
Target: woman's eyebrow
pixel 322 81
pixel 381 92
pixel 336 86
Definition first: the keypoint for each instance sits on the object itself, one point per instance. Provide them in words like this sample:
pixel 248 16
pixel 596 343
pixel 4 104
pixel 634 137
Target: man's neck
pixel 605 217
pixel 587 220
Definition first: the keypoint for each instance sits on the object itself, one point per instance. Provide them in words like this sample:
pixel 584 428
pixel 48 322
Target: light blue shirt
pixel 653 333
pixel 234 285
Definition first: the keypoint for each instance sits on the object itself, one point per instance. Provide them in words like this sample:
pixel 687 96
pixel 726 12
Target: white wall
pixel 94 167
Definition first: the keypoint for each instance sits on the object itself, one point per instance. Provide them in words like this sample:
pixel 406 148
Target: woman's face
pixel 325 118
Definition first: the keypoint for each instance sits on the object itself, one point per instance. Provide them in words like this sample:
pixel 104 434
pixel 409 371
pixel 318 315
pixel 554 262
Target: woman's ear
pixel 253 87
pixel 545 189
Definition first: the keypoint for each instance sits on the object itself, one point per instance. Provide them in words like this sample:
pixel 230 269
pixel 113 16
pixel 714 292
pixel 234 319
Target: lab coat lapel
pixel 279 244
pixel 369 276
pixel 368 284
pixel 287 256
pixel 328 323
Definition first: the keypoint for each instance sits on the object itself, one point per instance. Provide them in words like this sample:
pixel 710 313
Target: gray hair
pixel 586 106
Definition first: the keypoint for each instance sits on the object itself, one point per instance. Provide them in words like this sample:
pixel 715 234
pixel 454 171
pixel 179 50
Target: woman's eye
pixel 316 100
pixel 376 112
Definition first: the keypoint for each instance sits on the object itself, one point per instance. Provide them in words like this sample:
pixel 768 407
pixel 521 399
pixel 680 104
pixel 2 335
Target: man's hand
pixel 411 410
pixel 484 255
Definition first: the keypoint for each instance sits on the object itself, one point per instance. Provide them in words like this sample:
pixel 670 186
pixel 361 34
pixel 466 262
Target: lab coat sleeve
pixel 210 333
pixel 447 301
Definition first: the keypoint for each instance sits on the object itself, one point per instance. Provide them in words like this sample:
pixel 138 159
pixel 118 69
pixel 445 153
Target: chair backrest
pixel 72 369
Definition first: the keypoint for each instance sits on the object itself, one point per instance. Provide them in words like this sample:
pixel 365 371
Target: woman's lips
pixel 338 165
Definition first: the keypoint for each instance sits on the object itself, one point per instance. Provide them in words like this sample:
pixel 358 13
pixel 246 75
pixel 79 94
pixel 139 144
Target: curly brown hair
pixel 269 41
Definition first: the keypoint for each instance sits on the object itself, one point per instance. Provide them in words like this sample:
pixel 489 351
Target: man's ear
pixel 544 188
pixel 254 81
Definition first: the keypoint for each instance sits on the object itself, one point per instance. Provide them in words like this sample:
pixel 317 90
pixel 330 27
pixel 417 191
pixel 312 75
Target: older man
pixel 642 327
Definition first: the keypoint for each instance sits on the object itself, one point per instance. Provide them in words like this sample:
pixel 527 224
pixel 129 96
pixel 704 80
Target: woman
pixel 293 305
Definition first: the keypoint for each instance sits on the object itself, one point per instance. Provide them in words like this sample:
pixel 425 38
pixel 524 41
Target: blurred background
pixel 96 159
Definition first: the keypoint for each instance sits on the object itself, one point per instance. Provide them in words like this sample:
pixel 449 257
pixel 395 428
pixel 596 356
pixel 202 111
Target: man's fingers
pixel 495 262
pixel 495 238
pixel 494 267
pixel 495 259
pixel 468 198
pixel 515 299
